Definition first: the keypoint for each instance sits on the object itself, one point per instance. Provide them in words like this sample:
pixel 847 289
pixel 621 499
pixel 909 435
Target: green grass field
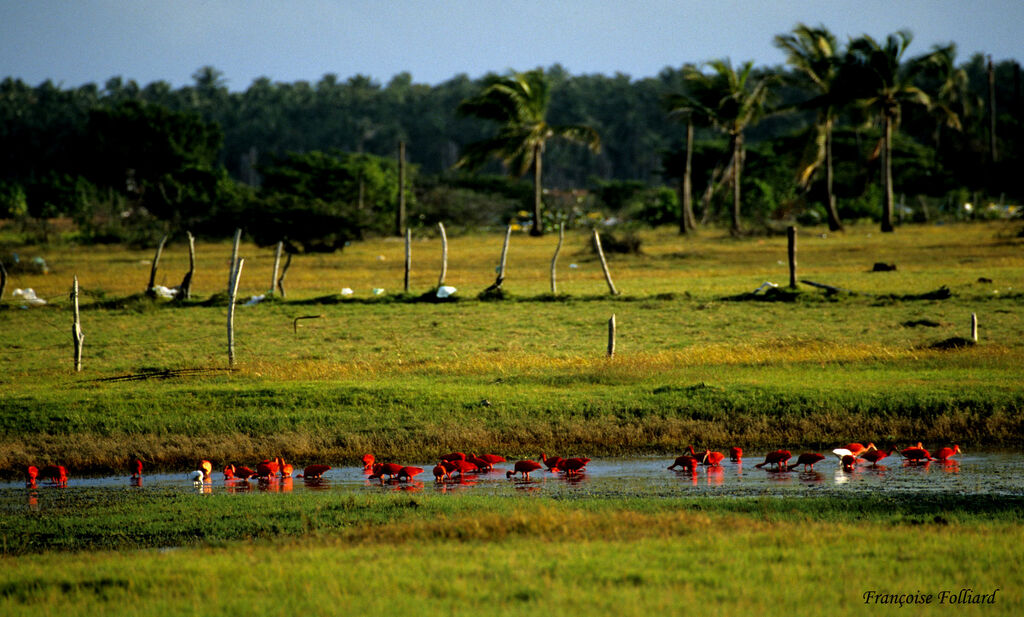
pixel 698 360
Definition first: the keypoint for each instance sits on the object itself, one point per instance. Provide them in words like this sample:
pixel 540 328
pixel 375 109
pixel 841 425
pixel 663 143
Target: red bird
pixel 874 456
pixel 481 464
pixel 385 469
pixel 440 473
pixel 944 454
pixel 463 467
pixel 493 459
pixel 777 458
pixel 368 460
pixel 685 461
pixel 454 456
pixel 244 473
pixel 408 472
pixel 848 462
pixel 573 466
pixel 712 459
pixel 31 473
pixel 137 469
pixel 229 472
pixel 283 468
pixel 523 467
pixel 266 468
pixel 551 462
pixel 916 454
pixel 54 473
pixel 736 454
pixel 808 459
pixel 313 472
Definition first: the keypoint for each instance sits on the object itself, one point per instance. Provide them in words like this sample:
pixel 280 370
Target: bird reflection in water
pixel 951 466
pixel 33 501
pixel 715 476
pixel 316 483
pixel 811 477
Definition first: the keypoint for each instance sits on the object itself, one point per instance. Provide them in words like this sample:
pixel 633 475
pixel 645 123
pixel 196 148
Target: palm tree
pixel 519 102
pixel 685 107
pixel 733 99
pixel 885 83
pixel 814 54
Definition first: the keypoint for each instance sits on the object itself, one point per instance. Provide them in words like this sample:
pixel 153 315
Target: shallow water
pixel 975 474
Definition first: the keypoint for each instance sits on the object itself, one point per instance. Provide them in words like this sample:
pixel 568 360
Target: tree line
pixel 836 134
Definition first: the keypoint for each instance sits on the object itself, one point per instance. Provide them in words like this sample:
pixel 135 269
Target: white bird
pixel 841 452
pixel 197 477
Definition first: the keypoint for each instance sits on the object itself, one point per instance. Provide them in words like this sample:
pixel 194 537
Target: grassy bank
pixel 404 555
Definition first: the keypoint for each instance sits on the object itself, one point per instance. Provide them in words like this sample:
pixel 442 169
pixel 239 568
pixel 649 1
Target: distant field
pixel 697 360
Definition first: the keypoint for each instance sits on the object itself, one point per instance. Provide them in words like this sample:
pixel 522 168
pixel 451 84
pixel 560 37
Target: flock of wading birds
pixel 458 463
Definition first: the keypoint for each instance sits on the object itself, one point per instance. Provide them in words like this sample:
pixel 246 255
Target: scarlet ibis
pixel 493 459
pixel 31 473
pixel 808 459
pixel 54 473
pixel 946 453
pixel 385 469
pixel 244 472
pixel 137 469
pixel 266 468
pixel 368 460
pixel 523 467
pixel 916 454
pixel 408 472
pixel 481 464
pixel 736 454
pixel 229 472
pixel 463 467
pixel 712 459
pixel 777 458
pixel 440 473
pixel 454 456
pixel 551 462
pixel 313 472
pixel 573 466
pixel 283 469
pixel 873 456
pixel 206 467
pixel 685 461
pixel 848 462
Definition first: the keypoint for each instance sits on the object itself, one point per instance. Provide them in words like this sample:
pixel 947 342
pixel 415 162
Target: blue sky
pixel 81 41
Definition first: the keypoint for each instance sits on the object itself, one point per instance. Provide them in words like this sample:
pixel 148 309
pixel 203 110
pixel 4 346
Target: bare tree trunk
pixel 501 266
pixel 233 290
pixel 234 258
pixel 277 264
pixel 538 193
pixel 156 262
pixel 185 289
pixel 408 257
pixel 444 255
pixel 3 279
pixel 76 327
pixel 611 336
pixel 834 223
pixel 604 264
pixel 737 168
pixel 284 271
pixel 887 197
pixel 554 260
pixel 686 220
pixel 400 215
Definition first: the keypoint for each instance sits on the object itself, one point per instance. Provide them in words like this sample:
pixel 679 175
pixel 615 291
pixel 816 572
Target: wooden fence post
pixel 791 237
pixel 156 262
pixel 3 279
pixel 232 292
pixel 611 336
pixel 554 260
pixel 185 289
pixel 277 264
pixel 504 255
pixel 284 271
pixel 974 327
pixel 76 327
pixel 408 257
pixel 444 255
pixel 604 264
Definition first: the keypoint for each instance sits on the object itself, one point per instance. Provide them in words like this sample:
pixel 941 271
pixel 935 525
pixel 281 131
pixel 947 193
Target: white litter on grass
pixel 445 290
pixel 378 291
pixel 167 293
pixel 346 291
pixel 573 266
pixel 256 299
pixel 765 285
pixel 28 295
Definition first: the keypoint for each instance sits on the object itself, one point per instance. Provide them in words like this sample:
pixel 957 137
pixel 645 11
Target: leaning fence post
pixel 232 291
pixel 791 237
pixel 611 336
pixel 234 258
pixel 76 327
pixel 3 279
pixel 504 256
pixel 554 260
pixel 156 262
pixel 284 271
pixel 185 289
pixel 604 264
pixel 974 327
pixel 444 255
pixel 408 256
